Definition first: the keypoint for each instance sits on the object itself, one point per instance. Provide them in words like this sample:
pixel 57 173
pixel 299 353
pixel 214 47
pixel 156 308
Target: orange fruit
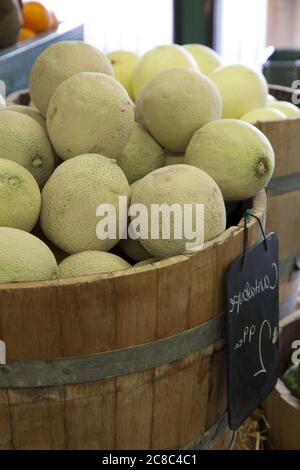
pixel 25 34
pixel 53 20
pixel 36 17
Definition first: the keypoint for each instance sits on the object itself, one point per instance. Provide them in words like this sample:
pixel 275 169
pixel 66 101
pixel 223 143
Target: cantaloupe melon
pixel 175 104
pixel 90 112
pixel 141 155
pixel 235 154
pixel 133 249
pixel 263 114
pixel 174 159
pixel 158 59
pixel 60 61
pixel 207 59
pixel 241 88
pixel 289 109
pixel 20 197
pixel 31 112
pixel 179 184
pixel 24 257
pixel 24 141
pixel 89 263
pixel 123 63
pixel 71 197
pixel 57 252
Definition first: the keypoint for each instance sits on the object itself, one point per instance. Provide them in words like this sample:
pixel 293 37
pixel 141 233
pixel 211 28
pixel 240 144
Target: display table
pixel 16 61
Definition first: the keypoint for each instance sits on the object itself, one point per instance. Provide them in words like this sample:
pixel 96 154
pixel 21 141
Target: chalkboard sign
pixel 253 328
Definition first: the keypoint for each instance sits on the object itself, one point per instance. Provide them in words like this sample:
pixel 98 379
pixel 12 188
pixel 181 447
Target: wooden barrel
pixel 10 22
pixel 132 360
pixel 284 200
pixel 282 410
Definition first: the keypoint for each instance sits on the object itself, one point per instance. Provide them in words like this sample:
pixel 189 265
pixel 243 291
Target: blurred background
pixel 238 29
pixel 244 31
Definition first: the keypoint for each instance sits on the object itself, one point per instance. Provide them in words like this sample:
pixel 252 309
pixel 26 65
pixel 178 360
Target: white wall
pixel 136 25
pixel 241 33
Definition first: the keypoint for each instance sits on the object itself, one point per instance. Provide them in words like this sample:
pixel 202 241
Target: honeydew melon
pixel 270 99
pixel 207 59
pixel 123 63
pixel 263 114
pixel 158 59
pixel 237 155
pixel 242 89
pixel 289 109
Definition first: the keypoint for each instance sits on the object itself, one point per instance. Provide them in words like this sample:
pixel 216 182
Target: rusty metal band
pixel 210 438
pixel 85 369
pixel 283 185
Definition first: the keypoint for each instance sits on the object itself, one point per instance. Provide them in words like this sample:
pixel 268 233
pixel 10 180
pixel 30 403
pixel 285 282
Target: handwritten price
pixel 248 336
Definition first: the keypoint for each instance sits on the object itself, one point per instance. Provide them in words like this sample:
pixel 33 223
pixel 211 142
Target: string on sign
pixel 247 216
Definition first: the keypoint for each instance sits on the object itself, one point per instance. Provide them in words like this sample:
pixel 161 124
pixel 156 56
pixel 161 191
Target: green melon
pixel 207 59
pixel 141 155
pixel 158 59
pixel 241 89
pixel 235 154
pixel 287 108
pixel 89 263
pixel 95 113
pixel 24 257
pixel 59 62
pixel 28 111
pixel 174 158
pixel 179 184
pixel 71 197
pixel 175 104
pixel 134 250
pixel 24 141
pixel 19 195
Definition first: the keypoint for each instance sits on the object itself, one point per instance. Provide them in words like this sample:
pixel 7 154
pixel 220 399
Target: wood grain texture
pixel 162 408
pixel 90 315
pixel 283 219
pixel 283 210
pixel 282 410
pixel 284 137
